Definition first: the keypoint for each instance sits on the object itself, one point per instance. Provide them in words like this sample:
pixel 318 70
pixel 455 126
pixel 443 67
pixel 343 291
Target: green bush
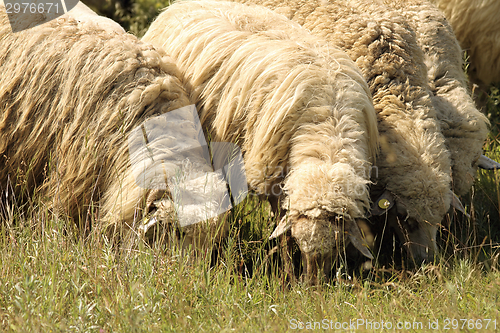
pixel 134 16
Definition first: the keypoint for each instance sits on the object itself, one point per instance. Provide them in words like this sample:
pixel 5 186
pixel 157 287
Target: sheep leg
pixel 286 253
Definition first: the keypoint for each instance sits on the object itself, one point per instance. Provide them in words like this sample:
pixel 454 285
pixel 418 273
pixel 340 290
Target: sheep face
pixel 419 237
pixel 417 234
pixel 321 239
pixel 160 226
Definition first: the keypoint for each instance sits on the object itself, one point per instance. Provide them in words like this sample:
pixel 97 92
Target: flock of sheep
pixel 318 94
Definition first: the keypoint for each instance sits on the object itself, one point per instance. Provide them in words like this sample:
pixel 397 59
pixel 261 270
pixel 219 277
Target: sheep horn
pixel 457 204
pixel 358 240
pixel 487 163
pixel 283 226
pixel 384 202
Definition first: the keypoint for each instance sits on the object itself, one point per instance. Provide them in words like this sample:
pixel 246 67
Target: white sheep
pixel 71 93
pixel 476 25
pixel 464 127
pixel 27 18
pixel 84 15
pixel 299 109
pixel 414 163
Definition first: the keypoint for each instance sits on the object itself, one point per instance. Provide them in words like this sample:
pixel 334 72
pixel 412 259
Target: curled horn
pixel 487 163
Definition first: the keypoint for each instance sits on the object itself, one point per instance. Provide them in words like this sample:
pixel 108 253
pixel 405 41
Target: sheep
pixel 71 94
pixel 85 15
pixel 464 127
pixel 414 163
pixel 299 109
pixel 26 18
pixel 475 23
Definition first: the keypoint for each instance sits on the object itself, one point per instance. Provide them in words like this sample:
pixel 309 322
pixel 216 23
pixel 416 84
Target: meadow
pixel 53 279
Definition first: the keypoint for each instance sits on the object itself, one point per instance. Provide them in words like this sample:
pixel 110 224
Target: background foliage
pixel 134 16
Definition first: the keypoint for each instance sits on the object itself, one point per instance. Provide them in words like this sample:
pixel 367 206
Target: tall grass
pixel 54 280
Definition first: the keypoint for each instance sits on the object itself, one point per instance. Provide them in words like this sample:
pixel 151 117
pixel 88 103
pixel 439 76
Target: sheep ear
pixel 383 203
pixel 283 226
pixel 487 163
pixel 358 240
pixel 457 204
pixel 147 225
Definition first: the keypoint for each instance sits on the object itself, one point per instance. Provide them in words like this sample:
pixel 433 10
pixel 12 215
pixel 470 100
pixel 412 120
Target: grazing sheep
pixel 414 164
pixel 464 127
pixel 476 25
pixel 299 109
pixel 71 93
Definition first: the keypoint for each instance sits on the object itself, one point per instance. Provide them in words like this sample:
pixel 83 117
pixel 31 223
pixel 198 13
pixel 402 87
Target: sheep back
pixel 464 127
pixel 69 95
pixel 414 163
pixel 475 23
pixel 256 85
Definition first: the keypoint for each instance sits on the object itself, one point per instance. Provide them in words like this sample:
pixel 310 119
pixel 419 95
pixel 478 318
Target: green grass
pixel 52 280
pixel 134 18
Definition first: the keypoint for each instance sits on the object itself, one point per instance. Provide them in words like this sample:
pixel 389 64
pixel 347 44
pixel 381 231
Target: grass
pixel 53 280
pixel 134 16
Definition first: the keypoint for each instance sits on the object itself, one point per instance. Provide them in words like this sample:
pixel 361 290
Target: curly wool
pixel 476 25
pixel 414 163
pixel 299 109
pixel 291 105
pixel 69 95
pixel 464 127
pixel 25 19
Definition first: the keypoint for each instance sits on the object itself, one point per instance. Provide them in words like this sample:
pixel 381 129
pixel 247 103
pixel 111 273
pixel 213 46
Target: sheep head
pixel 417 235
pixel 160 225
pixel 320 240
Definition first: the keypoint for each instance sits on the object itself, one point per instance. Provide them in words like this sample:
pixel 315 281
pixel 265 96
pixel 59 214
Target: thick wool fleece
pixel 414 163
pixel 85 15
pixel 299 108
pixel 464 127
pixel 81 13
pixel 70 93
pixel 476 25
